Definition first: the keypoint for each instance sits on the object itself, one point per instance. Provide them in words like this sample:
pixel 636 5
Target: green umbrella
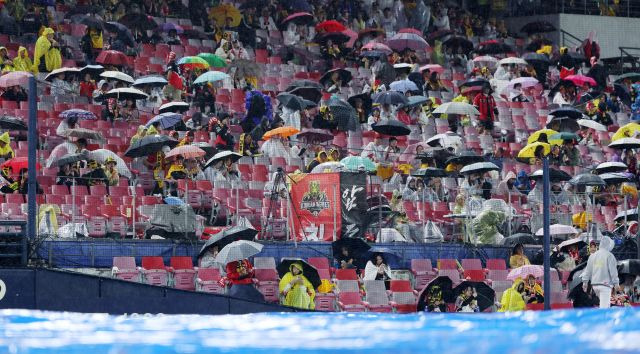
pixel 563 136
pixel 356 162
pixel 213 60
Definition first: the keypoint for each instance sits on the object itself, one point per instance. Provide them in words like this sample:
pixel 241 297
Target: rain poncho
pixel 47 220
pixel 22 62
pixel 503 186
pixel 45 52
pixel 297 295
pixel 602 266
pixel 512 299
pixel 290 117
pixel 6 149
pixel 410 193
pixel 275 148
pixel 523 184
pixel 371 271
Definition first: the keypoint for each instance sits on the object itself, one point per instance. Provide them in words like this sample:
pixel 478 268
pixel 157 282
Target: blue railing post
pixel 545 226
pixel 33 144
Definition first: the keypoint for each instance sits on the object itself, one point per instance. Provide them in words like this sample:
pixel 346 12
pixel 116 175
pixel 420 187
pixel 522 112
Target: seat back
pixel 497 274
pixel 496 264
pixel 124 262
pixel 350 298
pixel 400 286
pixel 377 298
pixel 208 274
pixel 473 263
pixel 346 274
pixel 403 298
pixel 324 274
pixel 451 273
pixel 374 286
pixel 152 263
pixel 421 265
pixel 447 264
pixel 474 274
pixel 266 274
pixel 181 263
pixel 319 262
pixel 348 286
pixel 264 263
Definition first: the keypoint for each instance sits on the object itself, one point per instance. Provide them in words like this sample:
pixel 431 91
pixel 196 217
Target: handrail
pixel 571 36
pixel 15 240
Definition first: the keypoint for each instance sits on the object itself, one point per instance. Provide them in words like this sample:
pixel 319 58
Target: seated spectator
pixel 240 276
pixel 507 185
pixel 68 174
pixel 22 62
pixel 172 38
pixel 208 259
pixel 345 259
pixel 296 288
pixel 378 269
pixel 6 152
pixel 467 301
pixel 321 157
pixel 110 170
pixel 513 298
pixel 246 146
pixel 571 153
pixel 6 64
pixel 87 86
pixel 518 258
pixel 16 94
pixel 533 293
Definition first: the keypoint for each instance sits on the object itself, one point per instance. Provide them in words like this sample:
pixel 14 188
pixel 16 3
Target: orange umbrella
pixel 283 132
pixel 221 12
pixel 187 151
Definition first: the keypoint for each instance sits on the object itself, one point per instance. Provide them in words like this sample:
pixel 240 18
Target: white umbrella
pixel 479 167
pixel 221 155
pixel 456 108
pixel 513 61
pixel 625 143
pixel 117 75
pixel 238 250
pixel 101 155
pixel 55 72
pixel 588 123
pixel 331 166
pixel 526 82
pixel 445 140
pixel 174 107
pixel 569 242
pixel 402 65
pixel 126 93
pixel 485 59
pixel 558 229
pixel 613 166
pixel 628 213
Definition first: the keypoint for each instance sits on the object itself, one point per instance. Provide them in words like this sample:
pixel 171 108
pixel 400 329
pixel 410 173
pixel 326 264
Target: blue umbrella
pixel 151 80
pixel 166 27
pixel 416 101
pixel 167 120
pixel 390 97
pixel 173 201
pixel 77 114
pixel 211 76
pixel 403 86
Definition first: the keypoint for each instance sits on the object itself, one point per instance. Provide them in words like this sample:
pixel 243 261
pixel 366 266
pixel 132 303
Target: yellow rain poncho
pixel 511 299
pixel 45 51
pixel 5 148
pixel 96 38
pixel 47 220
pixel 626 131
pixel 22 62
pixel 581 219
pixel 140 133
pixel 296 294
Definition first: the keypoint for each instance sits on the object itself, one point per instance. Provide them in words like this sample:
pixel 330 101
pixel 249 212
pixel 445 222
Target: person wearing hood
pixel 533 291
pixel 411 190
pixel 240 275
pixel 513 298
pixel 101 89
pixel 296 288
pixel 6 64
pixel 374 150
pixel 22 62
pixel 522 183
pixel 6 152
pixel 602 272
pixel 334 155
pixel 276 147
pixel 321 157
pixel 47 53
pixel 507 185
pixel 518 258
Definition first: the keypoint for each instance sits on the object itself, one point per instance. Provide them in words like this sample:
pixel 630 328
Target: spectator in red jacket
pixel 240 272
pixel 87 86
pixel 486 105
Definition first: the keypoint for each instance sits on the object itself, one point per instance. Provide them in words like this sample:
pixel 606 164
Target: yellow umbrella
pixel 284 132
pixel 220 13
pixel 626 131
pixel 528 152
pixel 536 135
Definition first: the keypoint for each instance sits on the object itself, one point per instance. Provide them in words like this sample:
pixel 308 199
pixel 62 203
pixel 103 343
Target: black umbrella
pixel 71 159
pixel 149 145
pixel 389 255
pixel 93 70
pixel 537 27
pixel 309 271
pixel 335 37
pixel 304 83
pixel 441 287
pixel 208 149
pixel 566 111
pixel 588 180
pixel 343 113
pixel 614 178
pixel 12 123
pixel 139 21
pixel 577 57
pixel 309 93
pixel 390 97
pixel 439 35
pixel 227 236
pixel 366 101
pixel 122 32
pixel 486 295
pixel 633 77
pixel 520 238
pixel 567 124
pixel 391 127
pixel 344 76
pixel 554 175
pixel 92 22
pixel 630 214
pixel 494 48
pixel 356 246
pixel 561 83
pixel 622 93
pixel 537 44
pixel 475 82
pixel 291 101
pixel 465 157
pixel 629 266
pixel 458 42
pixel 535 58
pixel 82 9
pixel 430 172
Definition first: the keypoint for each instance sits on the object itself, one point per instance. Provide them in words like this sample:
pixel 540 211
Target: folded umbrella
pixel 174 107
pixel 150 80
pixel 402 41
pixel 355 163
pixel 485 295
pixel 186 151
pixel 12 123
pixel 461 108
pixel 211 76
pixel 117 75
pixel 391 127
pixel 222 155
pixel 390 97
pixel 166 120
pixel 66 71
pixel 326 167
pixel 588 180
pixel 149 145
pixel 612 166
pixel 591 124
pixel 15 78
pixel 237 251
pixel 625 143
pixel 227 236
pixel 101 156
pixel 309 271
pixel 112 57
pixel 554 175
pixel 213 60
pixel 479 167
pixel 78 114
pixel 526 270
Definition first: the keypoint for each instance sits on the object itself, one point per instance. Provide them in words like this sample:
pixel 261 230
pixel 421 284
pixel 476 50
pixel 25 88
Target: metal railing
pixel 624 8
pixel 13 243
pixel 569 40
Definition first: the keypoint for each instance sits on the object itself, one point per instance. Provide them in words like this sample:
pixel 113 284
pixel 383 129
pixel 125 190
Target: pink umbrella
pixel 15 78
pixel 402 41
pixel 410 30
pixel 299 18
pixel 187 151
pixel 432 68
pixel 526 270
pixel 353 35
pixel 525 82
pixel 581 80
pixel 410 152
pixel 377 46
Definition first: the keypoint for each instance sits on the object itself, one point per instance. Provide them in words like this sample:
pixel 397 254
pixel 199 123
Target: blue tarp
pixel 99 253
pixel 570 331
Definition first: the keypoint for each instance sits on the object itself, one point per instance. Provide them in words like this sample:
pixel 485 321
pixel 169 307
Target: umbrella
pixel 444 140
pixel 314 135
pixel 567 124
pixel 122 32
pixel 564 136
pixel 91 22
pixel 12 123
pixel 223 12
pixel 330 26
pixel 526 270
pixel 581 80
pixel 372 54
pixel 614 178
pixel 403 86
pixel 101 155
pixel 430 172
pixel 291 101
pixel 512 61
pixel 525 82
pixel 366 101
pixel 193 63
pixel 409 153
pixel 558 229
pixel 572 241
pixel 458 42
pixel 331 166
pixel 234 156
pixel 612 166
pixel 493 47
pixel 461 108
pixel 72 158
pixel 335 37
pixel 433 36
pixel 389 255
pixel 304 83
pixel 537 27
pixel 238 250
pixel 126 94
pixel 309 271
pixel 377 46
pixel 587 179
pixel 117 75
pixel 82 133
pixel 343 113
pixel 414 101
pixel 475 82
pixel 479 167
pixel 93 70
pixel 15 78
pixel 633 77
pixel 628 130
pixel 529 150
pixel 355 163
pixel 283 132
pixel 211 76
pixel 299 18
pixel 344 76
pixel 434 68
pixel 535 136
pixel 227 236
pixel 554 175
pixel 139 21
pixel 78 114
pixel 149 145
pixel 521 239
pixel 173 201
pixel 56 72
pixel 410 30
pixel 485 295
pixel 486 59
pixel 625 143
pixel 591 124
pixel 442 285
pixel 402 41
pixel 629 266
pixel 168 26
pixel 208 149
pixel 370 32
pixel 166 120
pixel 356 246
pixel 213 60
pixel 623 93
pixel 112 57
pixel 310 93
pixel 174 107
pixel 391 127
pixel 535 58
pixel 465 157
pixel 18 164
pixel 186 151
pixel 150 80
pixel 561 83
pixel 390 97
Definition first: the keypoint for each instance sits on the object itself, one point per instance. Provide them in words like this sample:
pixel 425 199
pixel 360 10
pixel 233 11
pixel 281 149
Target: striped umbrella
pixel 193 63
pixel 79 114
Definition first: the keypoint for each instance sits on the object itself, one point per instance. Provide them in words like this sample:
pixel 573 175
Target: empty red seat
pixel 469 264
pixel 154 271
pixel 207 280
pixel 447 264
pixel 346 274
pixel 125 268
pixel 351 302
pixel 267 283
pixel 496 264
pixel 183 273
pixel 474 274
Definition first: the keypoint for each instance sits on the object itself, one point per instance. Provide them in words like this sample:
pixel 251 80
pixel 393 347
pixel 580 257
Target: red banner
pixel 315 212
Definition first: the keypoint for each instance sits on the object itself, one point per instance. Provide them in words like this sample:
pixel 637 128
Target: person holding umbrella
pixel 467 300
pixel 296 288
pixel 113 176
pixel 602 272
pixel 486 105
pixel 533 293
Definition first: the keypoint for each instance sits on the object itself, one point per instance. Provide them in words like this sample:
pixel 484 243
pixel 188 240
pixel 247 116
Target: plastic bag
pixel 432 233
pixel 73 230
